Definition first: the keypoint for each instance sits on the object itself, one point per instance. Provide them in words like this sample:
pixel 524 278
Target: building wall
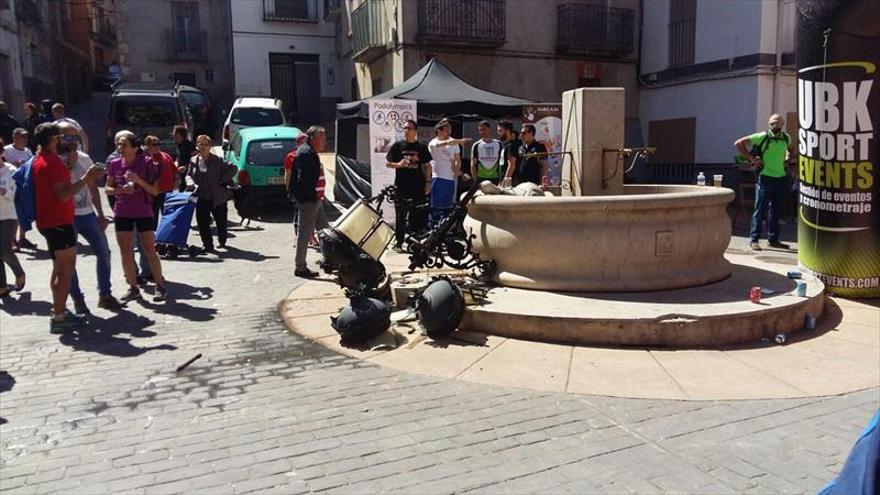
pixel 527 65
pixel 11 89
pixel 255 38
pixel 718 124
pixel 144 46
pixel 750 39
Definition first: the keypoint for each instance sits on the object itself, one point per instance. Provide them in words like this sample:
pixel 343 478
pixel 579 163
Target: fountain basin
pixel 652 237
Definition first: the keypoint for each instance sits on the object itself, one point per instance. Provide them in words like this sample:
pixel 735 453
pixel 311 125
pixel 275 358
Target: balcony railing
pixel 290 10
pixel 595 29
pixel 102 30
pixel 27 11
pixel 185 46
pixel 370 31
pixel 478 22
pixel 332 10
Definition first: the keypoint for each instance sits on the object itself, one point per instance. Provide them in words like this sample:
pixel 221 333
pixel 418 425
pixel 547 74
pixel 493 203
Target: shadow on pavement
pixel 172 306
pixel 100 335
pixel 24 305
pixel 7 381
pixel 234 253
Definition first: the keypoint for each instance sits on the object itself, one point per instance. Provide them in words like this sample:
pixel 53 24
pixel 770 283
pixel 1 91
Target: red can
pixel 545 181
pixel 755 294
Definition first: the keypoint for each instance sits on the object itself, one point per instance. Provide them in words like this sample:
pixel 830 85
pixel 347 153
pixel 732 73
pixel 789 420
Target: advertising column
pixel 838 50
pixel 387 118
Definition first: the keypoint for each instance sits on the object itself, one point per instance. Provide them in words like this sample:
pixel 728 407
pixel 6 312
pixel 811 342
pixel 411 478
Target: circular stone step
pixel 705 316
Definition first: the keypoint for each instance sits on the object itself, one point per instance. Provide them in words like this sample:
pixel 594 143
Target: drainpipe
pixel 779 4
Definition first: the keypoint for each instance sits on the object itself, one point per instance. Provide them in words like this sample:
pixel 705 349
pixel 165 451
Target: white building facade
pixel 286 49
pixel 713 71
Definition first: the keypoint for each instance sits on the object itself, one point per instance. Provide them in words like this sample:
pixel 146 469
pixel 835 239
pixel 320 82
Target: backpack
pixel 759 149
pixel 25 195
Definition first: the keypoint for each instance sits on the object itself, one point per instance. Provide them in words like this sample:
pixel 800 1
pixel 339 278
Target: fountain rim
pixel 663 194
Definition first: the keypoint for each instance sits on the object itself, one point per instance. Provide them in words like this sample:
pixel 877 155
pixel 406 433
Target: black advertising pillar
pixel 838 56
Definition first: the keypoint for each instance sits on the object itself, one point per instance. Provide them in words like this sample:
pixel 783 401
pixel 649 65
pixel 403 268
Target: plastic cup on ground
pixel 716 179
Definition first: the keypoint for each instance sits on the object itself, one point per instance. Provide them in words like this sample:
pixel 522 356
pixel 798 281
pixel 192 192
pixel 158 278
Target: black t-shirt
pixel 410 182
pixel 530 168
pixel 510 149
pixel 185 150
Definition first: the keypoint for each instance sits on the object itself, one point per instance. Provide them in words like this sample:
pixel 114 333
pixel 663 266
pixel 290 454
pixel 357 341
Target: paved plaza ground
pixel 102 410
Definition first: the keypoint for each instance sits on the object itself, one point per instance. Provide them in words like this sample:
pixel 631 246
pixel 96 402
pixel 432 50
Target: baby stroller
pixel 173 230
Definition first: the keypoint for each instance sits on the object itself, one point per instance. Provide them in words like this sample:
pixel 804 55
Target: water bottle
pixel 701 179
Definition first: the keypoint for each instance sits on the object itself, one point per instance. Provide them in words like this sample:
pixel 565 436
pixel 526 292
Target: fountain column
pixel 592 120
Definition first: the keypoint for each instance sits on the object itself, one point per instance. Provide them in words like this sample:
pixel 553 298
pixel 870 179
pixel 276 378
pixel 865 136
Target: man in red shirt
pixel 55 219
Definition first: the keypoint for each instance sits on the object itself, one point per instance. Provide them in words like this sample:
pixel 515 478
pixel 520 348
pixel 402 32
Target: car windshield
pixel 194 99
pixel 145 113
pixel 256 117
pixel 269 152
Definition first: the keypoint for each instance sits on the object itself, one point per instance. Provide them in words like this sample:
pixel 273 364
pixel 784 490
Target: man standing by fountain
pixel 510 157
pixel 411 162
pixel 533 167
pixel 445 170
pixel 768 154
pixel 484 156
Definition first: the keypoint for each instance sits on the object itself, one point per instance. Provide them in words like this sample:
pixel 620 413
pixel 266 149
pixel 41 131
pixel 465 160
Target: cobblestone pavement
pixel 103 410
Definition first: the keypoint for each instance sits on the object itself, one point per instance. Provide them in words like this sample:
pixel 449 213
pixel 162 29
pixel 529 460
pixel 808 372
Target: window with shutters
pixel 682 32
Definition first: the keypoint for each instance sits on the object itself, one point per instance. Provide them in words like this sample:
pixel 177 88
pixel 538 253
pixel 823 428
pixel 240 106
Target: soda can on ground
pixel 755 295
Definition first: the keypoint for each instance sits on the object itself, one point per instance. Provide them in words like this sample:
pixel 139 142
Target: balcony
pixel 480 23
pixel 333 10
pixel 370 31
pixel 103 31
pixel 185 46
pixel 290 11
pixel 27 12
pixel 595 30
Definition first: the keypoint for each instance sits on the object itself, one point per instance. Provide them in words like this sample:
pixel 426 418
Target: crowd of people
pixel 435 169
pixel 48 178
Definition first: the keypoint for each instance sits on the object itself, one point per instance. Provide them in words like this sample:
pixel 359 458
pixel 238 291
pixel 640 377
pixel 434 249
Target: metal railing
pixel 290 10
pixel 189 46
pixel 478 22
pixel 595 29
pixel 681 42
pixel 27 11
pixel 332 9
pixel 370 30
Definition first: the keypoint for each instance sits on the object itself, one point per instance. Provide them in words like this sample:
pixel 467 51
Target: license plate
pixel 275 181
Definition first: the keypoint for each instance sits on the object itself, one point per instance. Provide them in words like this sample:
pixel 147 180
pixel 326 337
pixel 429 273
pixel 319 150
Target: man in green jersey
pixel 768 154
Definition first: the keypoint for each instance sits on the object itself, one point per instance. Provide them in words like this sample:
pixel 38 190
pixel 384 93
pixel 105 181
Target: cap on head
pixel 58 107
pixel 19 131
pixel 67 128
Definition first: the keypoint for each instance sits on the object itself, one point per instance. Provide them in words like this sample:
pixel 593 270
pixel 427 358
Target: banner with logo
pixel 839 154
pixel 547 119
pixel 387 118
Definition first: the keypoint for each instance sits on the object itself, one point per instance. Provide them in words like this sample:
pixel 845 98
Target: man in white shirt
pixel 445 170
pixel 89 222
pixel 58 111
pixel 18 153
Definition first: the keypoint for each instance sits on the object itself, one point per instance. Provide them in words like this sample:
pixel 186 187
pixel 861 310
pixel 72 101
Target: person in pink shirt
pixel 133 179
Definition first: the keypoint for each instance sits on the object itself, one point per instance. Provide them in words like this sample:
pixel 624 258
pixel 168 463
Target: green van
pixel 259 153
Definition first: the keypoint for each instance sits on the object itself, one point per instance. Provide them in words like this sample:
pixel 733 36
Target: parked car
pixel 201 110
pixel 148 108
pixel 258 153
pixel 252 112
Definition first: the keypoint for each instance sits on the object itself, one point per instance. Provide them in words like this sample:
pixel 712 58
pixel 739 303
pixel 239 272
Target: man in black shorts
pixel 55 219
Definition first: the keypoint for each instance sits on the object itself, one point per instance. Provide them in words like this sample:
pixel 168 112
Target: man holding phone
pixel 54 193
pixel 411 162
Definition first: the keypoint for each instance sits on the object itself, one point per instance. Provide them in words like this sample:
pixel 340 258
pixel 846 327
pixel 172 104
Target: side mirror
pixel 225 147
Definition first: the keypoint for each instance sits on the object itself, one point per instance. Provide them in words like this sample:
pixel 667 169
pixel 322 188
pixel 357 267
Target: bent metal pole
pixel 838 56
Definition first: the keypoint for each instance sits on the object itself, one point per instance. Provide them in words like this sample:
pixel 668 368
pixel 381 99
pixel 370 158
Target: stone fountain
pixel 577 268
